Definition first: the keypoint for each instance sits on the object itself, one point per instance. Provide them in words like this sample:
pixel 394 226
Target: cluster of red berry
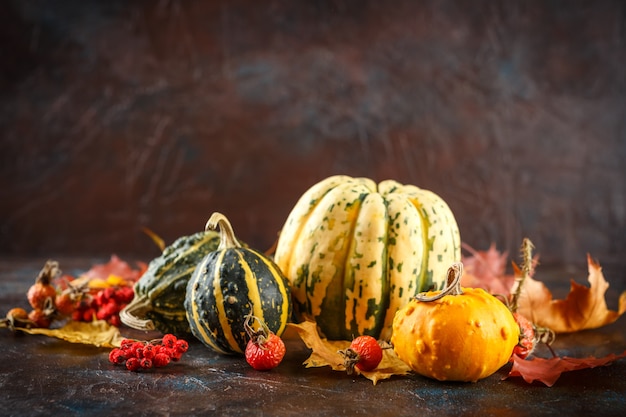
pixel 137 355
pixel 105 304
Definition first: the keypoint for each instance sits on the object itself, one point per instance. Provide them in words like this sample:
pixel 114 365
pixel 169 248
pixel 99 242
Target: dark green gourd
pixel 159 298
pixel 228 285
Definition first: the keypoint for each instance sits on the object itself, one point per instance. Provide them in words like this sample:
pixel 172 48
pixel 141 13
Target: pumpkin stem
pixel 453 286
pixel 227 235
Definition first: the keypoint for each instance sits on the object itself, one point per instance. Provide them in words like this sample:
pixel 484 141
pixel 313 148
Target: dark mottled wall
pixel 120 114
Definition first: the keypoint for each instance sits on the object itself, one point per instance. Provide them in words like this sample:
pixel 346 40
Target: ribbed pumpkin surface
pixel 356 251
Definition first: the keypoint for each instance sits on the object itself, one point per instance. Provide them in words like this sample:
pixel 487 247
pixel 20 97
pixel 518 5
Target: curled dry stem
pixel 137 306
pixel 453 285
pixel 527 260
pixel 49 272
pixel 259 336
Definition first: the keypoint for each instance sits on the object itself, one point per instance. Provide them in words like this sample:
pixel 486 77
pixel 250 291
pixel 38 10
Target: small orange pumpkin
pixel 457 334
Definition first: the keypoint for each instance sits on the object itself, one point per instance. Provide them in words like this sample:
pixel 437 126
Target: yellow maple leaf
pixel 583 308
pixel 98 333
pixel 326 353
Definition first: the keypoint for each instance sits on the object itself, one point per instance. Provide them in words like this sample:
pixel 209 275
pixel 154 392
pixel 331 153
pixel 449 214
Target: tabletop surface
pixel 40 375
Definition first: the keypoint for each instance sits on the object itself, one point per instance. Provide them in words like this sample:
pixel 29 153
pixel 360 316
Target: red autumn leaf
pixel 116 267
pixel 548 371
pixel 487 270
pixel 583 308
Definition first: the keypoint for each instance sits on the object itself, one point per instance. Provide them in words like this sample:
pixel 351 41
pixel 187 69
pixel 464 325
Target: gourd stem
pixel 227 235
pixel 128 318
pixel 453 285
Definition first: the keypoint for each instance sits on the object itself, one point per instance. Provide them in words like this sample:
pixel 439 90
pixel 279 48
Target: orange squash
pixel 457 334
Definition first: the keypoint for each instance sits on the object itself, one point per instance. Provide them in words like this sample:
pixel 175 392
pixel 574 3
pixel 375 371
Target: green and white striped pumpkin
pixel 355 252
pixel 229 284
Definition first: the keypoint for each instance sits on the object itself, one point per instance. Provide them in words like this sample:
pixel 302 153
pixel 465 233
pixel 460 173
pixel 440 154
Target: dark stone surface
pixel 41 376
pixel 120 114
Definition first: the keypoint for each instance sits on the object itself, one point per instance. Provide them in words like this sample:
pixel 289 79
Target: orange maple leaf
pixel 583 308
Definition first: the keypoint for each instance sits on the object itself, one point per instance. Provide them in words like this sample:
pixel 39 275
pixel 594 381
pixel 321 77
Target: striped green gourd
pixel 229 284
pixel 355 252
pixel 158 303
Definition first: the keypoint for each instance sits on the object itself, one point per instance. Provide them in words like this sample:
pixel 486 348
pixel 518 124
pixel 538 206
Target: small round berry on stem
pixel 42 290
pixel 265 350
pixel 364 353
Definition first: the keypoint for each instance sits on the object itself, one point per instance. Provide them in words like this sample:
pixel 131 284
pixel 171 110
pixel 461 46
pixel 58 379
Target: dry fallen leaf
pixel 325 353
pixel 116 267
pixel 548 371
pixel 583 308
pixel 486 270
pixel 98 333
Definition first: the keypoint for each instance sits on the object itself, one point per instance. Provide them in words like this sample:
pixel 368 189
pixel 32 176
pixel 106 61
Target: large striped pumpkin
pixel 229 284
pixel 355 252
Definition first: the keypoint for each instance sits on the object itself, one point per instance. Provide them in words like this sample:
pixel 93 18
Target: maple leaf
pixel 325 353
pixel 98 333
pixel 487 270
pixel 549 370
pixel 116 267
pixel 116 272
pixel 583 308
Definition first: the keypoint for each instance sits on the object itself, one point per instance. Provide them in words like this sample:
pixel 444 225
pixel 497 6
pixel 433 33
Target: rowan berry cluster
pixel 106 304
pixel 137 355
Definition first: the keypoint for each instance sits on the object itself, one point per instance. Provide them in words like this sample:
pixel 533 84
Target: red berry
pixel 38 295
pixel 77 315
pixel 108 293
pixel 181 345
pixel 126 343
pixel 161 359
pixel 265 353
pixel 174 354
pixel 169 340
pixel 42 291
pixel 124 295
pixel 133 364
pixel 364 352
pixel 134 348
pixel 65 304
pixel 88 314
pixel 145 363
pixel 265 350
pixel 117 356
pixel 115 320
pixel 527 340
pixel 40 319
pixel 149 352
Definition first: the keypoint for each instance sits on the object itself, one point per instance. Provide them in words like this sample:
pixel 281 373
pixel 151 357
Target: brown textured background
pixel 120 114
